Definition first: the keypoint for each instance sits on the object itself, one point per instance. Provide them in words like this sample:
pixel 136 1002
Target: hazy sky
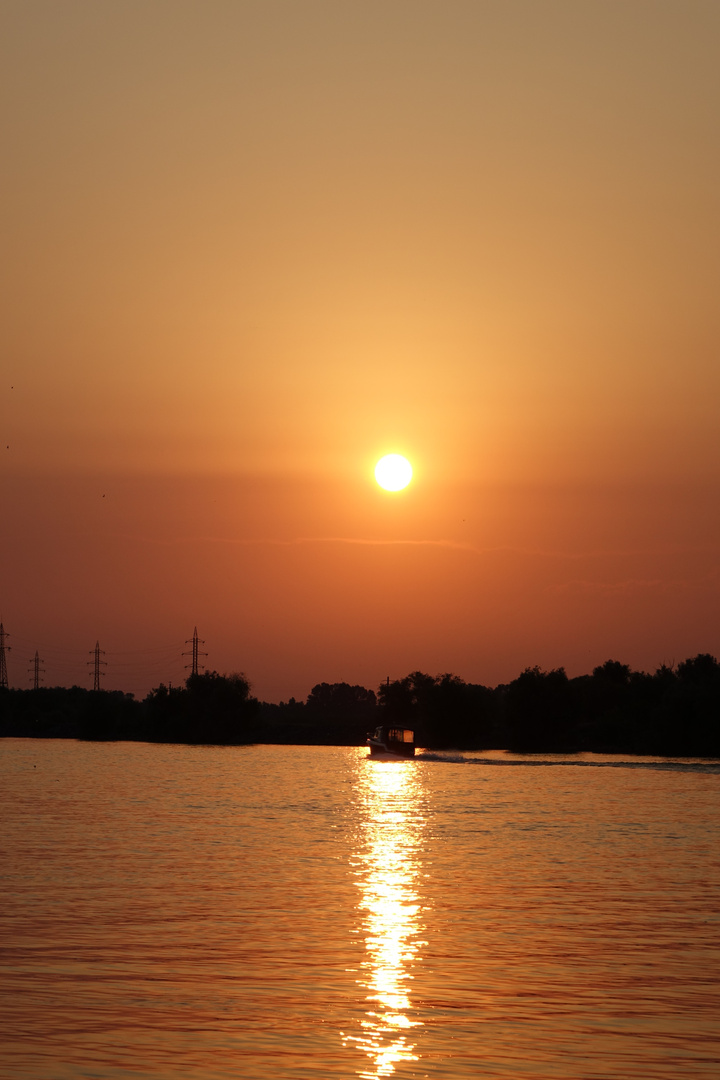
pixel 249 247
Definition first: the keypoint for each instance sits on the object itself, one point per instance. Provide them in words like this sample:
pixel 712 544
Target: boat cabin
pixel 396 741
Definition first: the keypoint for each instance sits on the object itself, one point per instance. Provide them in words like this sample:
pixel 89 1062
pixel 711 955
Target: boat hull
pixel 394 750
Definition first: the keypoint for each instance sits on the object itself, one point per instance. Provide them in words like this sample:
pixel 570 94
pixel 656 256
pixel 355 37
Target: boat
pixel 392 742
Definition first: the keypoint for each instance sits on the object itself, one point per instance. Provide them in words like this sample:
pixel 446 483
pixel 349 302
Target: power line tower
pixel 195 641
pixel 96 653
pixel 36 669
pixel 3 665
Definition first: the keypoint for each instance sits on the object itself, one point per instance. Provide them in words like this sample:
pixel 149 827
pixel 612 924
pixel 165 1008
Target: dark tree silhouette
pixel 212 708
pixel 341 712
pixel 538 708
pixel 398 700
pixel 443 710
pixel 613 710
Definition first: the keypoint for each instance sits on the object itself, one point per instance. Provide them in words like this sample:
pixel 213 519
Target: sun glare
pixel 388 871
pixel 393 472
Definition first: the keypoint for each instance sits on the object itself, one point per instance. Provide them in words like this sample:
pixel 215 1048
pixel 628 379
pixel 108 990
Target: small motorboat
pixel 392 742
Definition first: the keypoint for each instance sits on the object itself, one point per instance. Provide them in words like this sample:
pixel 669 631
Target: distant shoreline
pixel 671 713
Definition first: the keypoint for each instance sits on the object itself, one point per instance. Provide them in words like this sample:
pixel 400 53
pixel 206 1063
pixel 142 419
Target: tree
pixel 443 710
pixel 212 708
pixel 539 711
pixel 340 713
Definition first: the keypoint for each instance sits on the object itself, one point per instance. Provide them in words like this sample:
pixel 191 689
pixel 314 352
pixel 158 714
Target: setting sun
pixel 393 472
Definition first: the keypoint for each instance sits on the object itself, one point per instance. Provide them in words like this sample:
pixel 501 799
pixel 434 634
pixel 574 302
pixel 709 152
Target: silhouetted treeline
pixel 673 712
pixel 59 712
pixel 335 714
pixel 209 708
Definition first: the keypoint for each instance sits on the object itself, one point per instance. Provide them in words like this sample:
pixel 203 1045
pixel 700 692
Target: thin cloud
pixel 452 545
pixel 347 540
pixel 635 585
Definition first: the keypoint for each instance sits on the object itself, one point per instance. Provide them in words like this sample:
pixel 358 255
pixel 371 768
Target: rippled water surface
pixel 185 912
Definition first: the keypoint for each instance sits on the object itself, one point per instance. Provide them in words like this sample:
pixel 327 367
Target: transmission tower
pixel 36 669
pixel 3 665
pixel 195 641
pixel 96 653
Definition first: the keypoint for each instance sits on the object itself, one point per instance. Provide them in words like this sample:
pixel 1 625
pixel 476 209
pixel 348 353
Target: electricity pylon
pixel 3 665
pixel 36 669
pixel 96 661
pixel 195 641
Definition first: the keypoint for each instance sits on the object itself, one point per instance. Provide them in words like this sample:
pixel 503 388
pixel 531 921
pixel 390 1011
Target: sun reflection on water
pixel 387 868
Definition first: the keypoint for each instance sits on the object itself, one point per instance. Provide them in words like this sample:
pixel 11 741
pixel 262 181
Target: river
pixel 303 912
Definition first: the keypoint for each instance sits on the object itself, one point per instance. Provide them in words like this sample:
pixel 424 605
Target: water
pixel 212 913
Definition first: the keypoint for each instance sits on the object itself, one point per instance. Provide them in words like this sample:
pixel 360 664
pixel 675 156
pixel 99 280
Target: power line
pixel 95 653
pixel 195 653
pixel 146 667
pixel 167 647
pixel 36 669
pixel 3 665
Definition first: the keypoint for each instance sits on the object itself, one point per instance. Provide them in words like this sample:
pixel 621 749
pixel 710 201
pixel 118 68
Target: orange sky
pixel 249 247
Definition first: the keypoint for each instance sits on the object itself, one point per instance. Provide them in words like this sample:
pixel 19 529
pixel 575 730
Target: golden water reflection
pixel 387 868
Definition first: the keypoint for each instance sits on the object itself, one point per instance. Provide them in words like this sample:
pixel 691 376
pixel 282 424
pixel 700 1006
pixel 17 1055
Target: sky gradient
pixel 251 247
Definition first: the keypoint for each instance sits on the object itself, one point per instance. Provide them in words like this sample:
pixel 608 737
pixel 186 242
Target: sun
pixel 393 472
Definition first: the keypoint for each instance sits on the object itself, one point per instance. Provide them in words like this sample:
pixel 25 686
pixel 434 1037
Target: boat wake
pixel 449 756
pixel 668 765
